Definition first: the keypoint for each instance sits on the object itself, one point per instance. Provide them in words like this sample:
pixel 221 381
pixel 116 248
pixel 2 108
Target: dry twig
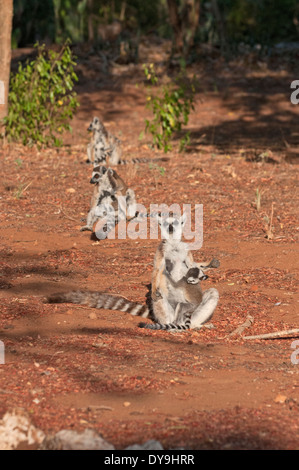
pixel 275 334
pixel 248 322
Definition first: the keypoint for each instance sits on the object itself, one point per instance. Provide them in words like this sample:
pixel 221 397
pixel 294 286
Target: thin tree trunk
pixel 220 25
pixel 123 11
pixel 190 23
pixel 176 25
pixel 6 9
pixel 184 22
pixel 90 21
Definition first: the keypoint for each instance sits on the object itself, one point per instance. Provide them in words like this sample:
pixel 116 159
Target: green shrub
pixel 171 109
pixel 41 99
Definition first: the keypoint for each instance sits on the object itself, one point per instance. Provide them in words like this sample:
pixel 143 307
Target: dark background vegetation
pixel 222 23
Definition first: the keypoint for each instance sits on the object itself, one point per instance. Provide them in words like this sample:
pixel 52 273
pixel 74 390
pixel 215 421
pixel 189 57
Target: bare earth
pixel 74 367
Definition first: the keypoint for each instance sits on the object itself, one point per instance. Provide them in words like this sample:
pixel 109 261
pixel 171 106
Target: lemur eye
pixel 96 176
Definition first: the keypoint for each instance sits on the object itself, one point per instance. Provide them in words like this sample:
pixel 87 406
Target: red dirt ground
pixel 74 367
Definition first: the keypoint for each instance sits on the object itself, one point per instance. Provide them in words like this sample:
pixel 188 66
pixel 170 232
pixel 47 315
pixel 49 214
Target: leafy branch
pixel 171 108
pixel 41 98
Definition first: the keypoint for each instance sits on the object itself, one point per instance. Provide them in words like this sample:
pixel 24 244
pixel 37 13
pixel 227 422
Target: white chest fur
pixel 176 251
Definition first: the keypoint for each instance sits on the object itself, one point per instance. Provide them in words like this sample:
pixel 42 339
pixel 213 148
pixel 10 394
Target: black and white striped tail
pixel 100 300
pixel 142 160
pixel 103 160
pixel 168 326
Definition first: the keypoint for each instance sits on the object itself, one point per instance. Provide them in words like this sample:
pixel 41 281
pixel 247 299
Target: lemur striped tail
pixel 142 160
pixel 100 300
pixel 168 326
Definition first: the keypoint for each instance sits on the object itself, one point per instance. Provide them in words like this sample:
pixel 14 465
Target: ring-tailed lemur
pixel 165 309
pixel 106 179
pixel 112 200
pixel 111 209
pixel 101 136
pixel 172 249
pixel 103 180
pixel 107 148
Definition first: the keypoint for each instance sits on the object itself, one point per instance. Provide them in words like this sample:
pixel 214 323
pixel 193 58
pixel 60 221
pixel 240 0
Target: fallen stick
pixel 248 322
pixel 275 334
pixel 67 216
pixel 62 212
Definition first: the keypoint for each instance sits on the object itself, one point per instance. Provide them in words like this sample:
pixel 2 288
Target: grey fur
pixel 112 200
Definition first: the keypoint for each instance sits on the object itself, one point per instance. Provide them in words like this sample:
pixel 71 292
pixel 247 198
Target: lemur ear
pixel 110 171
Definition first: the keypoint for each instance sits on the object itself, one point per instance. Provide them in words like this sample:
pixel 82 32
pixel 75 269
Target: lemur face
pixel 172 227
pixel 95 125
pixel 194 275
pixel 98 173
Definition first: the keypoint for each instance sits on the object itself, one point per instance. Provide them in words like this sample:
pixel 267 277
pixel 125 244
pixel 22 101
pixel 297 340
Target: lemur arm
pixel 90 148
pixel 189 261
pixel 166 272
pixel 159 266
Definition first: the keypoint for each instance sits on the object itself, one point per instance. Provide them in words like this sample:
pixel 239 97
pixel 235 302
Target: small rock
pixel 280 398
pixel 16 429
pixel 254 288
pixel 92 316
pixel 148 445
pixel 72 440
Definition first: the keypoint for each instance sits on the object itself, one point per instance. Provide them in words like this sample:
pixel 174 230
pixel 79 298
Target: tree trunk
pixel 90 21
pixel 190 23
pixel 176 25
pixel 184 22
pixel 220 25
pixel 6 9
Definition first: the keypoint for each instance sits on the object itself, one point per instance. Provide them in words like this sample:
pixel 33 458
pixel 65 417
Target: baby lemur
pixel 188 289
